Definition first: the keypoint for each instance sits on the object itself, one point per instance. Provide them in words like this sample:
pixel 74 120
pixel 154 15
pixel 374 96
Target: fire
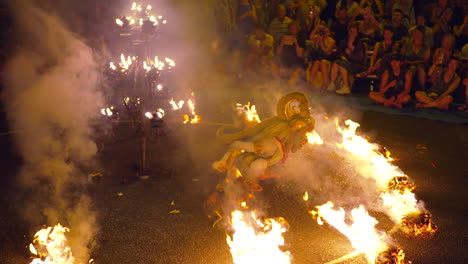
pixel 119 22
pixel 419 225
pixel 362 233
pixel 50 246
pixel 194 117
pixel 257 241
pixel 176 106
pixel 392 256
pixel 314 138
pixel 250 112
pixel 396 189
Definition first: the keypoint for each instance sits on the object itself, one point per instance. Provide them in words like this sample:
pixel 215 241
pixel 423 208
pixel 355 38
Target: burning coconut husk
pixel 393 255
pixel 419 225
pixel 400 184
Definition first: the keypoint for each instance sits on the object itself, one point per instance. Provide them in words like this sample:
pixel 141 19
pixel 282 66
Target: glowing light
pixel 119 22
pixel 170 62
pixel 112 66
pixel 256 241
pixel 160 113
pixel 159 87
pixel 149 115
pixel 176 106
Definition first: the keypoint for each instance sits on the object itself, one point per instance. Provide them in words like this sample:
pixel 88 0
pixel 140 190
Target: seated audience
pixel 380 60
pixel 261 53
pixel 313 20
pixel 407 9
pixel 441 16
pixel 400 30
pixel 339 28
pixel 290 53
pixel 428 35
pixel 461 33
pixel 446 50
pixel 246 19
pixel 446 81
pixel 395 86
pixel 279 25
pixel 350 6
pixel 351 61
pixel 300 9
pixel 375 6
pixel 322 55
pixel 417 55
pixel 368 27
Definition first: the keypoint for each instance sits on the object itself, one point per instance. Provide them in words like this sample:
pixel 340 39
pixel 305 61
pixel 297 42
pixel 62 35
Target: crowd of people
pixel 411 50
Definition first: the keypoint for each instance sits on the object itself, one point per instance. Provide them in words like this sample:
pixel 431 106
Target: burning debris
pixel 50 246
pixel 248 113
pixel 419 225
pixel 400 184
pixel 392 255
pixel 397 190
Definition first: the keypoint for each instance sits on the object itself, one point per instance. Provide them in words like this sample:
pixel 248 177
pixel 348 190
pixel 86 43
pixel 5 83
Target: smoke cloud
pixel 53 81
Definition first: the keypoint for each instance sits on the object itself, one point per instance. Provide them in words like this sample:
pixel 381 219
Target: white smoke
pixel 52 82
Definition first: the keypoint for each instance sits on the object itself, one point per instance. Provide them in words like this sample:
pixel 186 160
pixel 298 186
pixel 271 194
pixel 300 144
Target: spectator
pixel 260 50
pixel 441 16
pixel 313 20
pixel 291 52
pixel 300 9
pixel 352 59
pixel 395 86
pixel 417 55
pixel 399 29
pixel 350 6
pixel 438 96
pixel 407 9
pixel 380 60
pixel 375 6
pixel 246 19
pixel 445 52
pixel 461 33
pixel 368 27
pixel 428 35
pixel 340 27
pixel 322 55
pixel 279 25
pixel 463 56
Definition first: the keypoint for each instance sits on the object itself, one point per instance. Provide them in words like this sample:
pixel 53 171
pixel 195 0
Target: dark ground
pixel 138 228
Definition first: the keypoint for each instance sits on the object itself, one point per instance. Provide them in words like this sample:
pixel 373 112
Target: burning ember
pixel 361 232
pixel 400 184
pixel 50 246
pixel 193 118
pixel 257 241
pixel 392 256
pixel 249 113
pixel 419 225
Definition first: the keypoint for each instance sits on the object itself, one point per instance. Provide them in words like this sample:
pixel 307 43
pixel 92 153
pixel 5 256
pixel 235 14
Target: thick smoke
pixel 52 81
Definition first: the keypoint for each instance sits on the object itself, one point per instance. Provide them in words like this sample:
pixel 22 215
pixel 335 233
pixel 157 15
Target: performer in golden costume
pixel 254 150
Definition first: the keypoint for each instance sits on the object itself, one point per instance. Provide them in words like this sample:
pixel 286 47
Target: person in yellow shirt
pixel 260 55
